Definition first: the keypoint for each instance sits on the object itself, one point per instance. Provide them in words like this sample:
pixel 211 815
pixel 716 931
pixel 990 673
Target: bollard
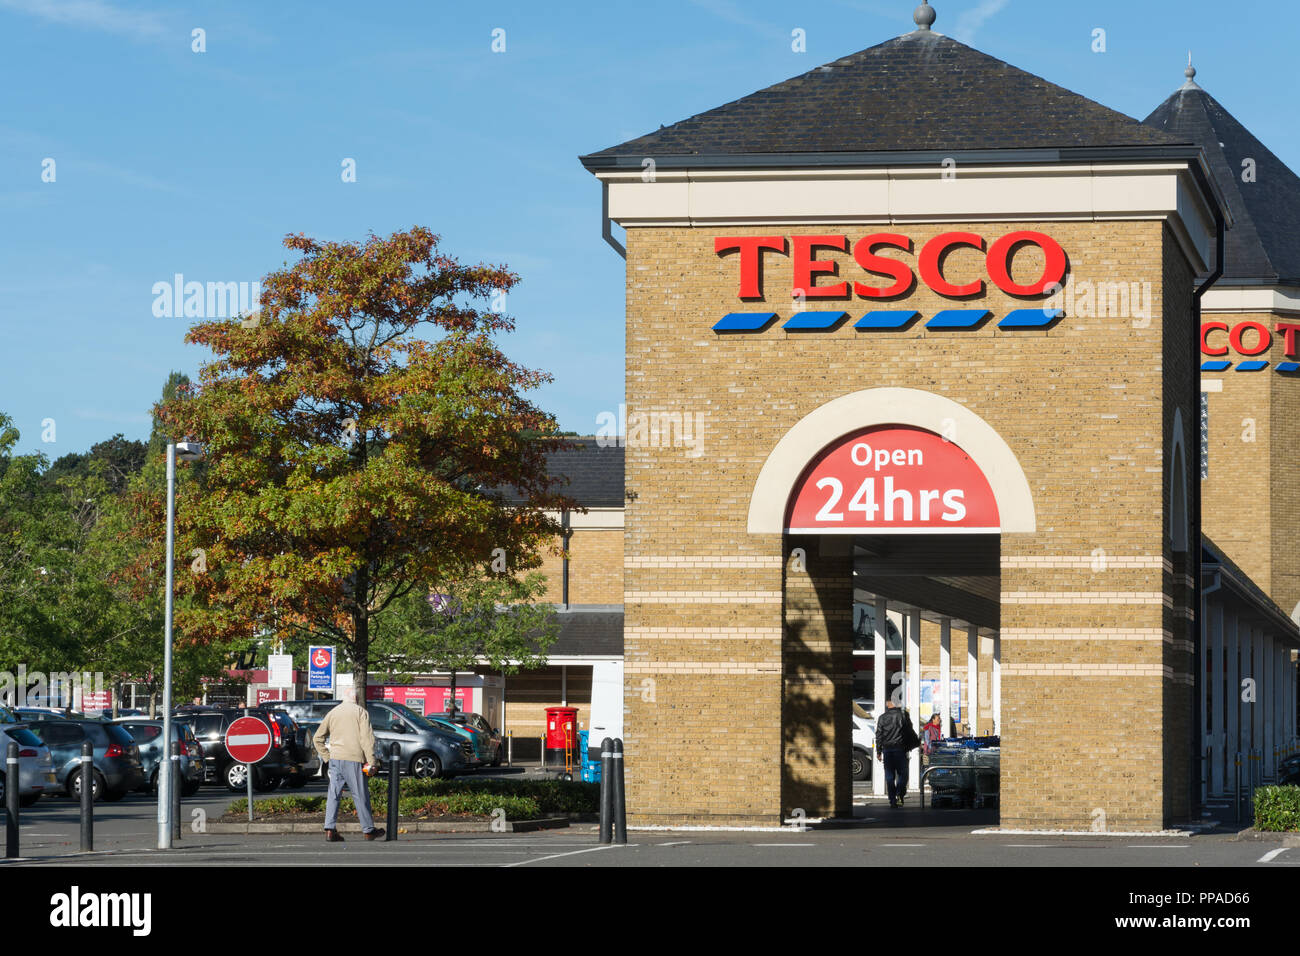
pixel 1236 787
pixel 176 792
pixel 510 748
pixel 394 791
pixel 543 746
pixel 606 790
pixel 620 805
pixel 12 783
pixel 87 778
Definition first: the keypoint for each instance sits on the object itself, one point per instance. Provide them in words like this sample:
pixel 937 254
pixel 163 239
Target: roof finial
pixel 1190 73
pixel 924 15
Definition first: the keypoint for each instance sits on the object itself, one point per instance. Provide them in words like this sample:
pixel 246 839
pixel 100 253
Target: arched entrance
pixel 891 501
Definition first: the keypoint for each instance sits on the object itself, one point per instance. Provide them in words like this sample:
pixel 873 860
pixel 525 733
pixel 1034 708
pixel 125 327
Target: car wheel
pixel 28 800
pixel 112 796
pixel 426 766
pixel 236 776
pixel 152 786
pixel 297 781
pixel 861 766
pixel 189 788
pixel 97 785
pixel 265 784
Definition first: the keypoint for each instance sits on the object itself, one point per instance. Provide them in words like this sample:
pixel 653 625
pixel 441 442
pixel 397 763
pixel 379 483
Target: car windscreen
pixel 412 717
pixel 206 724
pixel 7 716
pixel 118 734
pixel 24 737
pixel 143 732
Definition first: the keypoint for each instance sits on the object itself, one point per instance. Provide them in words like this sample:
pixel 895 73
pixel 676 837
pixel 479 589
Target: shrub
pixel 1277 808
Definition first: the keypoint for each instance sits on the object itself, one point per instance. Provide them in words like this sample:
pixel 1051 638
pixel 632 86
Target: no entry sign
pixel 248 740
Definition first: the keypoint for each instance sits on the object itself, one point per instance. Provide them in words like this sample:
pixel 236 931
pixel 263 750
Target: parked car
pixel 7 716
pixel 442 723
pixel 210 728
pixel 115 756
pixel 35 765
pixel 147 735
pixel 864 742
pixel 489 746
pixel 30 714
pixel 307 762
pixel 426 750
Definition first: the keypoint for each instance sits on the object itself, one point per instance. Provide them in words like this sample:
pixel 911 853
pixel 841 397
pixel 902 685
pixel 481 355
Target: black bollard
pixel 620 805
pixel 606 790
pixel 176 790
pixel 12 783
pixel 394 791
pixel 87 778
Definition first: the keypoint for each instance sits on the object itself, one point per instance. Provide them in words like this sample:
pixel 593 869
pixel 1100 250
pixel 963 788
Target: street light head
pixel 189 450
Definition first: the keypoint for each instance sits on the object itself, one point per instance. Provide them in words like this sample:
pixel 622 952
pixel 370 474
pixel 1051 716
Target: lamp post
pixel 185 451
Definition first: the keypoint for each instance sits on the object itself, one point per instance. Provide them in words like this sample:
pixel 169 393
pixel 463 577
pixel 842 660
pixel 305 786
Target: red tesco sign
pixel 892 478
pixel 1260 338
pixel 806 269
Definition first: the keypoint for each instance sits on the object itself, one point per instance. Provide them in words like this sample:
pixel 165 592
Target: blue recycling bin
pixel 590 769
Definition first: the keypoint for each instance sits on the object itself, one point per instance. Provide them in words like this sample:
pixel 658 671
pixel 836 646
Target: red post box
pixel 561 736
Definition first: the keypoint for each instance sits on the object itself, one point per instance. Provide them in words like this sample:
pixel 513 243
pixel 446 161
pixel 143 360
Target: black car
pixel 307 761
pixel 210 728
pixel 115 756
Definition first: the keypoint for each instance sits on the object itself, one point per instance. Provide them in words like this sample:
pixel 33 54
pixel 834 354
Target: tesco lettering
pixel 806 270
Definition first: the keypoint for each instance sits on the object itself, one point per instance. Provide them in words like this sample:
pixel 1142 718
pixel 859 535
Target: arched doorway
pixel 894 499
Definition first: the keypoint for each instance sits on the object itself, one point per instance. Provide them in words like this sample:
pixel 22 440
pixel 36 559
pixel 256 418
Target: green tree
pixel 484 619
pixel 357 429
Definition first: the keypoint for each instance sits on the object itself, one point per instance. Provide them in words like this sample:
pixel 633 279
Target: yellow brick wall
pixel 1082 406
pixel 595 568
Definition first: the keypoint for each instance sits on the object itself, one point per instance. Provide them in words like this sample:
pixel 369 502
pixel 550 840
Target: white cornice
pixel 1164 190
pixel 596 519
pixel 1284 300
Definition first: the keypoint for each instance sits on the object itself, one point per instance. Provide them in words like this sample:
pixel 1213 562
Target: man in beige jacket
pixel 351 753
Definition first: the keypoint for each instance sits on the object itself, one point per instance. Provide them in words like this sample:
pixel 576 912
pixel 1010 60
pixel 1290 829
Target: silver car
pixel 35 764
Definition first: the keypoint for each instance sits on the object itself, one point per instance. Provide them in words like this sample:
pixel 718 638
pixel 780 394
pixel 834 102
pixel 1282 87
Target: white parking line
pixel 674 843
pixel 783 844
pixel 1158 846
pixel 555 856
pixel 1271 855
pixel 1031 845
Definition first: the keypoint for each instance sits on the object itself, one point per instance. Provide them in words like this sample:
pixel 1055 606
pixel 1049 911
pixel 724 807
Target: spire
pixel 924 15
pixel 1190 73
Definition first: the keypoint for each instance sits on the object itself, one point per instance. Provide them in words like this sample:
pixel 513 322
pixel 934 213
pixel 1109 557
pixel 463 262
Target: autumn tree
pixel 478 617
pixel 357 430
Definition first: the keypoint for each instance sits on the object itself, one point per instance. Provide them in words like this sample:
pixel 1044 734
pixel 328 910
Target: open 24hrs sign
pixel 892 479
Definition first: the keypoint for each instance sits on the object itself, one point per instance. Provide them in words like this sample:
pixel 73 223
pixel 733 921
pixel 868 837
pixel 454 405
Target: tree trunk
pixel 451 693
pixel 361 647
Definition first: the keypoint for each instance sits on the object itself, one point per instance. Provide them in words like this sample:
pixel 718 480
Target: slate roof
pixel 1264 241
pixel 594 474
pixel 919 92
pixel 594 630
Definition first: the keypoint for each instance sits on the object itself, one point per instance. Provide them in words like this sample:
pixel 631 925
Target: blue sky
pixel 170 161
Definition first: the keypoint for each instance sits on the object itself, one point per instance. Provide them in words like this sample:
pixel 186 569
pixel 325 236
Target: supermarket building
pixel 940 319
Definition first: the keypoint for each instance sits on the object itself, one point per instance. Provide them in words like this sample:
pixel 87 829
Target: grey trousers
pixel 348 773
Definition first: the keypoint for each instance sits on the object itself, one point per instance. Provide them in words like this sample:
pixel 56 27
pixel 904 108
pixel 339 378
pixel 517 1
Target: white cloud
pixel 970 22
pixel 92 15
